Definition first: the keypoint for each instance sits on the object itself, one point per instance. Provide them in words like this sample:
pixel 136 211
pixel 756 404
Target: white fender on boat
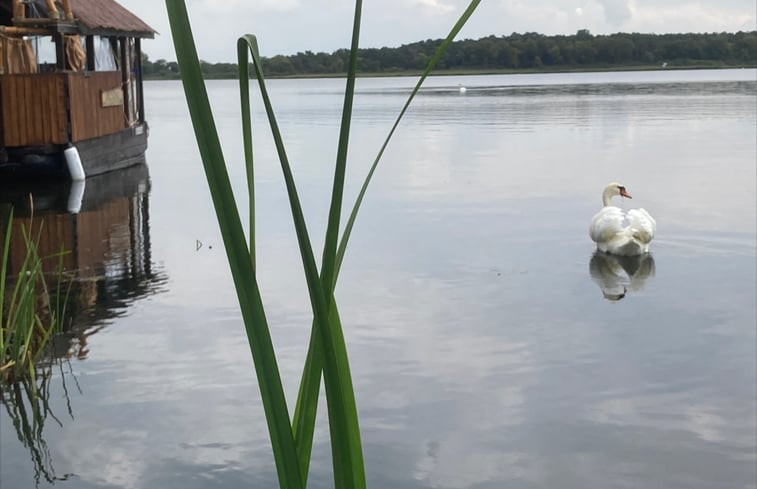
pixel 73 162
pixel 75 195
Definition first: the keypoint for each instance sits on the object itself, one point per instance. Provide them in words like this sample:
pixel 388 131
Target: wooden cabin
pixel 70 76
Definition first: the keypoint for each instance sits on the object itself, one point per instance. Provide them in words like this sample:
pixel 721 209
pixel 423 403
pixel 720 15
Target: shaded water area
pixel 490 345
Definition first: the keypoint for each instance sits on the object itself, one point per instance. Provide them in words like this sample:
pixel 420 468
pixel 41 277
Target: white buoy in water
pixel 462 90
pixel 75 195
pixel 73 162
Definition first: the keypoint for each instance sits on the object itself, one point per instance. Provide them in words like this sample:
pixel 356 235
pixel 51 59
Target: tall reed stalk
pixel 291 439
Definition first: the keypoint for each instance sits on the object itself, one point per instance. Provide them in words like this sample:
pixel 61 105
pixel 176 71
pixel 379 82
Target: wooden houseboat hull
pixel 98 155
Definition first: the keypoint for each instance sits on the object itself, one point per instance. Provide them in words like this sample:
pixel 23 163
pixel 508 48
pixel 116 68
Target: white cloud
pixel 214 7
pixel 436 6
pixel 689 17
pixel 616 11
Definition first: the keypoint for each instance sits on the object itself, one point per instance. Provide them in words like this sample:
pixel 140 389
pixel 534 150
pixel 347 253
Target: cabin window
pixel 44 46
pixel 105 58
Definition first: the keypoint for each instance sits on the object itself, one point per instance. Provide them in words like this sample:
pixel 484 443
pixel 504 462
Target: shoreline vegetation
pixel 516 53
pixel 31 312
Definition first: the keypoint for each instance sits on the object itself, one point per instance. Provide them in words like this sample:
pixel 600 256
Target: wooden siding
pixel 33 109
pixel 89 119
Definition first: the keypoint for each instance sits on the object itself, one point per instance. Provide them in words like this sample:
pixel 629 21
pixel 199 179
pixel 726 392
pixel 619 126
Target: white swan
pixel 618 232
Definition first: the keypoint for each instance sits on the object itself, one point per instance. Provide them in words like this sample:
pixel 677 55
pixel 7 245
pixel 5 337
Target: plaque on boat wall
pixel 112 98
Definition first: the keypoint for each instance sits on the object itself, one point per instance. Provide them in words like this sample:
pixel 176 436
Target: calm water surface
pixel 489 346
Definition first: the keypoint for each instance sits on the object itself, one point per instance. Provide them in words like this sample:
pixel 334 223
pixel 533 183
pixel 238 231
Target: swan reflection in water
pixel 617 275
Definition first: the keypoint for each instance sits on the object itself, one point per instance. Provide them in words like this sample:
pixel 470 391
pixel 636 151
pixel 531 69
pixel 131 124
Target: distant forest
pixel 516 52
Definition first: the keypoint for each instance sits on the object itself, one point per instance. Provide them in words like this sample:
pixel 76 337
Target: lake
pixel 490 347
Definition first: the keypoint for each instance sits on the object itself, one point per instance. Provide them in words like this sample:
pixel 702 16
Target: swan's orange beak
pixel 625 194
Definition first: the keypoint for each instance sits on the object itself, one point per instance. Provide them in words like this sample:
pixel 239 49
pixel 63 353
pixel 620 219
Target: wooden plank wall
pixel 33 109
pixel 89 119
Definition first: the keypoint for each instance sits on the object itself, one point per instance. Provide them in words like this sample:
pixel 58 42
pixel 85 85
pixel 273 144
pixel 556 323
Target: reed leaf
pixel 306 408
pixel 431 65
pixel 3 275
pixel 347 454
pixel 307 398
pixel 292 445
pixel 237 251
pixel 244 95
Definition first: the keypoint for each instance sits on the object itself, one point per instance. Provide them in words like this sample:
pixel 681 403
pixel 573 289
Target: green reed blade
pixel 22 281
pixel 3 272
pixel 244 95
pixel 332 231
pixel 61 302
pixel 34 278
pixel 431 64
pixel 21 309
pixel 347 454
pixel 306 408
pixel 330 355
pixel 46 333
pixel 307 400
pixel 237 251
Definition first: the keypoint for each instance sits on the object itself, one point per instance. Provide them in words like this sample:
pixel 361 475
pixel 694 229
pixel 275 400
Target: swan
pixel 618 232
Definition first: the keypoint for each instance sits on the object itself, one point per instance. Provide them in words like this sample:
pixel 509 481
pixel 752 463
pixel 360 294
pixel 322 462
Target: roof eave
pixel 106 32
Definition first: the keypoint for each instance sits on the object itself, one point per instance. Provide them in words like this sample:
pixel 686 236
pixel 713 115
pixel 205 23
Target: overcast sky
pixel 289 26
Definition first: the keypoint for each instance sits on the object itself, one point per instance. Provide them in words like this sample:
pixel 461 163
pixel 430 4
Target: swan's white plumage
pixel 618 232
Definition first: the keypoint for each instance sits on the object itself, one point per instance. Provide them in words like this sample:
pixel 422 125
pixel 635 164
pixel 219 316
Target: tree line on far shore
pixel 527 52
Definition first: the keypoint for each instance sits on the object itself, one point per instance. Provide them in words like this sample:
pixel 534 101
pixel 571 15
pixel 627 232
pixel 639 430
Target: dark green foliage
pixel 514 52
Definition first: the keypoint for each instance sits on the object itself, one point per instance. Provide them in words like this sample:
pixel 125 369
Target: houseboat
pixel 71 94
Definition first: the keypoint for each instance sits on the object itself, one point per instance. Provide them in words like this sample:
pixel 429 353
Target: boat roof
pixel 104 17
pixel 95 17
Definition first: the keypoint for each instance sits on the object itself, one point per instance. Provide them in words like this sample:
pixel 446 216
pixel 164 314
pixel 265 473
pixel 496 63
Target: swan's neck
pixel 607 196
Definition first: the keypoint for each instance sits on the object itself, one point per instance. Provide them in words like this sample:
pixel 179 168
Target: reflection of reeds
pixel 291 440
pixel 30 312
pixel 26 402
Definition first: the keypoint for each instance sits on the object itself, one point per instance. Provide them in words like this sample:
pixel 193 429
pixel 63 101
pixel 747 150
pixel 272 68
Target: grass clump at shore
pixel 30 311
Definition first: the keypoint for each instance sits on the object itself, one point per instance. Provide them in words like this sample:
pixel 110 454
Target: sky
pixel 290 26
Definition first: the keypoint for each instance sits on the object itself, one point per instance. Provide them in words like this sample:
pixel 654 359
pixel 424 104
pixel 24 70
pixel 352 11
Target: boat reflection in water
pixel 104 227
pixel 617 275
